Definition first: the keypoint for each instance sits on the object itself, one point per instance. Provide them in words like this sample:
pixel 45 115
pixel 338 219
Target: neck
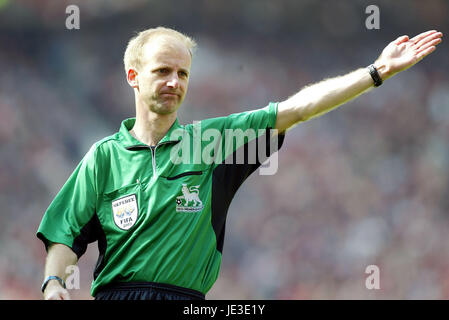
pixel 151 127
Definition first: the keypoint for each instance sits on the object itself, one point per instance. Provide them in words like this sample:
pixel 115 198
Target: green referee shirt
pixel 158 212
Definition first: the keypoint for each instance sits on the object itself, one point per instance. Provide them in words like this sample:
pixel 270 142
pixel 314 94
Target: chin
pixel 165 108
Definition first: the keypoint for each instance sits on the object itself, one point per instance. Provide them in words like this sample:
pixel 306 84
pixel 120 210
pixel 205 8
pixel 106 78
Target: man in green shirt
pixel 155 195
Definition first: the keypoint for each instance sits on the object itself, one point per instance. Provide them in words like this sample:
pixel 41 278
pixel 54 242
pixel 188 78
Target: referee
pixel 155 194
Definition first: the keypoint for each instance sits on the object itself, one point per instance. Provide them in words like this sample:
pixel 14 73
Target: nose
pixel 173 82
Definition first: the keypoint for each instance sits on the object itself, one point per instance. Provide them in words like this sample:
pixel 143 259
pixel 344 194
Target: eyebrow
pixel 163 66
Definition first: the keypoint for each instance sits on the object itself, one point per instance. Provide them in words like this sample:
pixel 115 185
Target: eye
pixel 183 74
pixel 163 71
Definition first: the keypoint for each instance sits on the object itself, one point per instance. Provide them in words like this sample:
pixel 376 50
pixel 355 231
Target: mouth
pixel 169 94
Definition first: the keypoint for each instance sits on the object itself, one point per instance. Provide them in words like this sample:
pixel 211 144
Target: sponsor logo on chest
pixel 125 211
pixel 190 200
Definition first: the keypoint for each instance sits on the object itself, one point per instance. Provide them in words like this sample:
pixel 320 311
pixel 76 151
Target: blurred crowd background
pixel 366 184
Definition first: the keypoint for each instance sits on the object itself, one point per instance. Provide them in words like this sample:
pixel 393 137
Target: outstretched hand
pixel 403 52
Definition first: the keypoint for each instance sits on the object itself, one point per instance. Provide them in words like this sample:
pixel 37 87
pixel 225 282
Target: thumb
pixel 400 40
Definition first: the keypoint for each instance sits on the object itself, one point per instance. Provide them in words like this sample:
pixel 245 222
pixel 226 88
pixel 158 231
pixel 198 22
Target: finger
pixel 422 35
pixel 425 52
pixel 428 39
pixel 401 40
pixel 428 45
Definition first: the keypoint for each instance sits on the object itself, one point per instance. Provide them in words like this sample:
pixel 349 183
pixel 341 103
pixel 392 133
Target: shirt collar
pixel 129 141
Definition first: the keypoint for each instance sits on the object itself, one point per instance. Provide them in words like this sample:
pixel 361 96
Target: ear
pixel 132 78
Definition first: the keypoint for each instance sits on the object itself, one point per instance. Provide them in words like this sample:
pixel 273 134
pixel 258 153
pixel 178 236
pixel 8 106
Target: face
pixel 163 78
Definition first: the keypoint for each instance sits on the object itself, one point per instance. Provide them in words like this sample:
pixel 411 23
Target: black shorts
pixel 146 291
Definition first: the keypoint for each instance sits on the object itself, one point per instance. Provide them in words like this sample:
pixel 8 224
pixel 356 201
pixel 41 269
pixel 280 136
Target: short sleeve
pixel 69 217
pixel 263 118
pixel 224 136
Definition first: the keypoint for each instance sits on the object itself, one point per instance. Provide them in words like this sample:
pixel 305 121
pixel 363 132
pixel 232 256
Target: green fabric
pixel 155 214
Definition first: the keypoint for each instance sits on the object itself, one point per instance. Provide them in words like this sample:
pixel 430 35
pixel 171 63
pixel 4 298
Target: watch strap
pixel 375 75
pixel 44 284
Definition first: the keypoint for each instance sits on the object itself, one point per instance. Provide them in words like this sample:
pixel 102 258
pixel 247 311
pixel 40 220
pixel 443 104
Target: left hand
pixel 403 53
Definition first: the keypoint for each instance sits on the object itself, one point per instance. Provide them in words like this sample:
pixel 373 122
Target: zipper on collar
pixel 153 152
pixel 153 155
pixel 153 159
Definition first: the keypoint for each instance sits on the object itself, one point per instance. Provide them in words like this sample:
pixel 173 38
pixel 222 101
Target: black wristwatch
pixel 375 75
pixel 44 284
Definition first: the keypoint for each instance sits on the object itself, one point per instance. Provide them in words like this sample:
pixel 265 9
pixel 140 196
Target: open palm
pixel 403 52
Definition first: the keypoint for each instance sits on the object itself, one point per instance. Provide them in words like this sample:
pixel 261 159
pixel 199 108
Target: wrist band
pixel 375 75
pixel 44 285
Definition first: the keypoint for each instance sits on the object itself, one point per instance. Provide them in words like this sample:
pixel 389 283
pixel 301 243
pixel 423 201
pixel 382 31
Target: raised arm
pixel 319 98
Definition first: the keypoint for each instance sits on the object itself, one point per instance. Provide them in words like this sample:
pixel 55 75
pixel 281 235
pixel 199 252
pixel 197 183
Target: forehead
pixel 166 51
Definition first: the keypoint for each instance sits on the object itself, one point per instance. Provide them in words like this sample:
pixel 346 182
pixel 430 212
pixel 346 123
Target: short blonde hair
pixel 134 50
